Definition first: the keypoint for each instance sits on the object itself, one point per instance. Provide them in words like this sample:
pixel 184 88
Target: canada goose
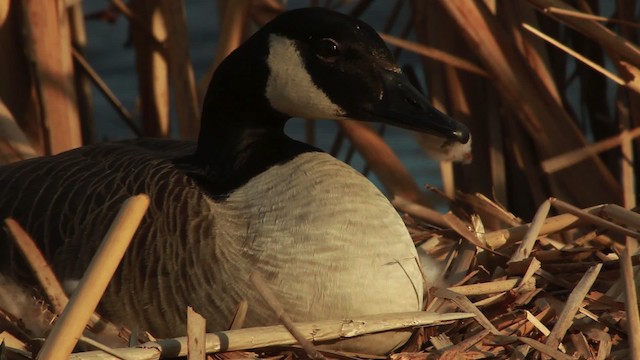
pixel 245 197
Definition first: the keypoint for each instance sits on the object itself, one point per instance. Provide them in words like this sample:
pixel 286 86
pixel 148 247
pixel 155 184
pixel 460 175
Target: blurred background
pixel 546 120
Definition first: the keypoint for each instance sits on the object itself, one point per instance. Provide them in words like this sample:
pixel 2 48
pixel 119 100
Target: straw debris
pixel 549 91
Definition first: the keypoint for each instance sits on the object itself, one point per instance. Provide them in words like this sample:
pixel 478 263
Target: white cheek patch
pixel 290 89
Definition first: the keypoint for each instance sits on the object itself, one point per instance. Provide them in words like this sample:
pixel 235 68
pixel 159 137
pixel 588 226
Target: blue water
pixel 115 63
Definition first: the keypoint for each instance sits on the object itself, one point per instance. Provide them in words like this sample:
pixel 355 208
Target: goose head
pixel 324 64
pixel 311 63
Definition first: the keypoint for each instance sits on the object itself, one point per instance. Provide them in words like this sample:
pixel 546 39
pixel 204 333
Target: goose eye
pixel 327 50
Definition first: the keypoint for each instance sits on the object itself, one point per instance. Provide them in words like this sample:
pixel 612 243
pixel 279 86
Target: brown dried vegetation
pixel 549 89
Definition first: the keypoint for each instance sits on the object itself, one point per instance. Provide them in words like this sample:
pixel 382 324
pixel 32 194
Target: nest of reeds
pixel 550 92
pixel 557 287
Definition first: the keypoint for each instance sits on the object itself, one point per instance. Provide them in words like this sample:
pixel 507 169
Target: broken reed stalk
pixel 618 80
pixel 504 237
pixel 239 316
pixel 563 206
pixel 14 144
pixel 69 326
pixel 268 296
pixel 627 175
pixel 48 47
pixel 631 302
pixel 152 68
pixel 581 15
pixel 103 329
pixel 100 346
pixel 527 278
pixel 278 335
pixel 491 287
pixel 593 30
pixel 620 214
pixel 463 303
pixel 84 99
pixel 196 332
pixel 572 157
pixel 180 68
pixel 459 268
pixel 106 91
pixel 524 250
pixel 418 211
pixel 573 303
pixel 39 265
pixel 545 349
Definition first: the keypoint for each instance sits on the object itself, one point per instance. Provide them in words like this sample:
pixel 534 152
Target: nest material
pixel 558 287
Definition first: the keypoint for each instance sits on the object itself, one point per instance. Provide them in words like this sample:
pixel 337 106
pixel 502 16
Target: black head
pixel 309 63
pixel 325 64
pixel 317 63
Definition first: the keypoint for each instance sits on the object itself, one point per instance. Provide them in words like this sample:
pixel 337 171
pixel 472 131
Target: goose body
pixel 245 197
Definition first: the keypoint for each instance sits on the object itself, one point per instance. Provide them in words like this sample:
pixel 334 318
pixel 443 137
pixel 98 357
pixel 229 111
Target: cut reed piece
pixel 527 283
pixel 595 31
pixel 487 208
pixel 38 264
pixel 487 288
pixel 505 237
pixel 278 335
pixel 462 263
pixel 106 91
pixel 617 79
pixel 598 221
pixel 69 326
pixel 103 330
pixel 196 331
pixel 537 323
pixel 468 342
pixel 84 97
pixel 463 303
pixel 14 144
pixel 418 211
pixel 561 161
pixel 98 345
pixel 48 47
pixel 631 303
pixel 240 315
pixel 545 349
pixel 524 250
pixel 581 15
pixel 462 229
pixel 622 215
pixel 151 68
pixel 571 307
pixel 181 70
pixel 12 342
pixel 627 174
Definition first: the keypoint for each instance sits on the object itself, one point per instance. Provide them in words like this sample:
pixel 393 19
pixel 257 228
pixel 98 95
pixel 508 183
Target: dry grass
pixel 550 93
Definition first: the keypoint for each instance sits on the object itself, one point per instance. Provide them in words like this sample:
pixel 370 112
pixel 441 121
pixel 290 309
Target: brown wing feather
pixel 67 202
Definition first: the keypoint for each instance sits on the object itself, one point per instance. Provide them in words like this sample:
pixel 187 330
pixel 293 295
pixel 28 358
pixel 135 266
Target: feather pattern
pixel 328 242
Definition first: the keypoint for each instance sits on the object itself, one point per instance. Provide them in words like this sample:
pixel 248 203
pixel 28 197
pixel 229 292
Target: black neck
pixel 241 136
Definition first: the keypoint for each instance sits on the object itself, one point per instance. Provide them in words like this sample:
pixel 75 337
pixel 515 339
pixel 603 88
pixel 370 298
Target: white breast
pixel 328 242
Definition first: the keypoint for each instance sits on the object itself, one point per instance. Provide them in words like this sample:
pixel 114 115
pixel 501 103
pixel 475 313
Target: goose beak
pixel 402 105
